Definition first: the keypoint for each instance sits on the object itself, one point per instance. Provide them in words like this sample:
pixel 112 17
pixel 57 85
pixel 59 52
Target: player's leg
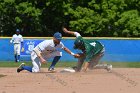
pixel 18 52
pixel 23 67
pixel 15 52
pixel 78 67
pixel 15 55
pixel 95 63
pixel 36 65
pixel 55 60
pixel 35 62
pixel 95 60
pixel 56 55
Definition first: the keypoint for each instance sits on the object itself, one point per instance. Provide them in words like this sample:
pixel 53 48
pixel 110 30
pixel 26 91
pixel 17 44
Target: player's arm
pixel 22 44
pixel 68 51
pixel 21 41
pixel 75 55
pixel 67 31
pixel 79 55
pixel 71 32
pixel 38 53
pixel 11 41
pixel 22 47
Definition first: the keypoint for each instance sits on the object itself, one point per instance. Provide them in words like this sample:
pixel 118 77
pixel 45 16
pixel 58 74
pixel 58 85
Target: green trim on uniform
pixel 92 47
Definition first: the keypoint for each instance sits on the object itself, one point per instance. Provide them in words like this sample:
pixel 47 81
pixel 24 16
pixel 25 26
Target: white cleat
pixel 109 67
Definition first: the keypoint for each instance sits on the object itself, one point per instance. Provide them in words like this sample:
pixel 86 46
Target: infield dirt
pixel 120 80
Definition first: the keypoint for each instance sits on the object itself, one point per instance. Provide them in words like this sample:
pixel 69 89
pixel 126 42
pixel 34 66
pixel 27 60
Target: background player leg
pixel 18 52
pixel 15 58
pixel 18 58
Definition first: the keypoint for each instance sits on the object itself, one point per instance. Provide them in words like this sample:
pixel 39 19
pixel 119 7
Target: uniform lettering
pixel 93 44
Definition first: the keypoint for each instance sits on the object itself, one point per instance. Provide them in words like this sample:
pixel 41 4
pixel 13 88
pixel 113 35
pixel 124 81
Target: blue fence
pixel 116 50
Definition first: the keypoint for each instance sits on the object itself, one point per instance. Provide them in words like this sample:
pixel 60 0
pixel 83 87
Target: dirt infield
pixel 120 80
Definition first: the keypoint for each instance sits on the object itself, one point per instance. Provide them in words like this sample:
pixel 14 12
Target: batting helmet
pixel 78 44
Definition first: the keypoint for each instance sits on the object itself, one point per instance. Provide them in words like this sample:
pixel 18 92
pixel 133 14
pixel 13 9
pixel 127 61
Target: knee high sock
pixel 101 66
pixel 28 68
pixel 15 57
pixel 55 60
pixel 18 58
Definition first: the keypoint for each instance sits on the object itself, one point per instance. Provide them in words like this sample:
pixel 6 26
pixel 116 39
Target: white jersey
pixel 48 50
pixel 48 46
pixel 16 39
pixel 77 34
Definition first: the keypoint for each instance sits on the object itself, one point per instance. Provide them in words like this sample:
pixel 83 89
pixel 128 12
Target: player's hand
pixel 42 60
pixel 65 30
pixel 76 55
pixel 11 41
pixel 22 49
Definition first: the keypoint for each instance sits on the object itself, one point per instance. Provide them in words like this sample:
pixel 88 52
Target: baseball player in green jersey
pixel 92 52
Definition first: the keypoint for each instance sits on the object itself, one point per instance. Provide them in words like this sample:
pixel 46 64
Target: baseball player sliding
pixel 92 52
pixel 45 50
pixel 17 40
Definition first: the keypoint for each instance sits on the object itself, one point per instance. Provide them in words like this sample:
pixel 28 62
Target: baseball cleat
pixel 20 67
pixel 109 67
pixel 51 70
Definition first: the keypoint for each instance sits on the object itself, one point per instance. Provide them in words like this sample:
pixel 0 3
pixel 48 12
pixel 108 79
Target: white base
pixel 68 70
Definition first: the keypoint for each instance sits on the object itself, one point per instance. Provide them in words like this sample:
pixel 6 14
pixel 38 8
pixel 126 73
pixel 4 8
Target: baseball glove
pixel 22 49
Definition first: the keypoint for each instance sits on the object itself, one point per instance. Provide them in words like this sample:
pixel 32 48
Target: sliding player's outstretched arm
pixel 71 32
pixel 67 31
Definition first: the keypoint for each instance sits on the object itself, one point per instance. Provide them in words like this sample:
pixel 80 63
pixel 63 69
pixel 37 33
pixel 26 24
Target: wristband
pixel 72 53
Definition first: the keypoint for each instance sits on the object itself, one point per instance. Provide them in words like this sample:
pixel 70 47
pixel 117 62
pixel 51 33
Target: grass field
pixel 70 64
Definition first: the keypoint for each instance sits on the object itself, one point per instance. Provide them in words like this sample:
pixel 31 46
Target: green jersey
pixel 92 47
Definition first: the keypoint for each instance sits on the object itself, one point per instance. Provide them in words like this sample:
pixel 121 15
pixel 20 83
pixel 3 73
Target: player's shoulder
pixel 79 38
pixel 77 34
pixel 48 41
pixel 14 34
pixel 20 35
pixel 61 43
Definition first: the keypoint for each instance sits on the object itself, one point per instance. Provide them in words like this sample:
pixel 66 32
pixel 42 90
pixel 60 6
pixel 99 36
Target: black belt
pixel 16 43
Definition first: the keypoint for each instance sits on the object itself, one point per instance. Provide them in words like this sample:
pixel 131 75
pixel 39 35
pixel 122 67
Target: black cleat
pixel 20 67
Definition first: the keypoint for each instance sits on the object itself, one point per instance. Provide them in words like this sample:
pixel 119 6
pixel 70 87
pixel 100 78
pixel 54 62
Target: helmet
pixel 58 36
pixel 78 43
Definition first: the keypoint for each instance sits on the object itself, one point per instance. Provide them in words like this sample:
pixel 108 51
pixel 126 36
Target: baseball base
pixel 70 70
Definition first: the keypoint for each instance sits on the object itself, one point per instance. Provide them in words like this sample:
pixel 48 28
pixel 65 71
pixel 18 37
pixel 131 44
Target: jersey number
pixel 93 44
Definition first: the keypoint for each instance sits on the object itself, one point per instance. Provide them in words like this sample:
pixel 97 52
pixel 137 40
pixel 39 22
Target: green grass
pixel 125 64
pixel 70 64
pixel 59 64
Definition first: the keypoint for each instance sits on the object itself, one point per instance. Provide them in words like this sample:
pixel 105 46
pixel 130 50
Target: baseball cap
pixel 58 36
pixel 17 30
